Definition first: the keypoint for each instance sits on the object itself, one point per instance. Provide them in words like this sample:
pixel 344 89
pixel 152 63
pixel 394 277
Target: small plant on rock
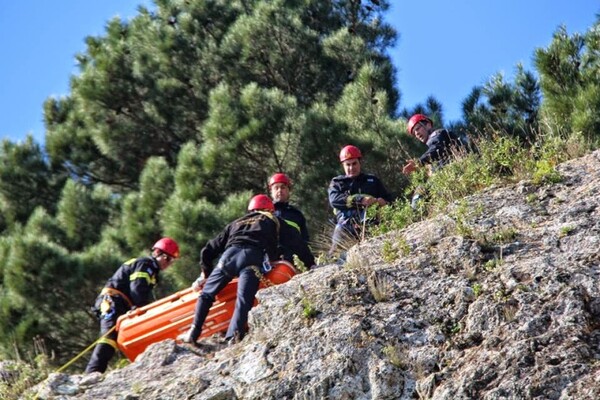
pixel 396 355
pixel 396 216
pixel 490 265
pixel 501 295
pixel 299 264
pixel 404 247
pixel 477 289
pixel 460 216
pixel 565 231
pixel 388 252
pixel 20 376
pixel 531 197
pixel 380 287
pixel 509 311
pixel 309 310
pixel 456 328
pixel 545 172
pixel 354 261
pixel 505 235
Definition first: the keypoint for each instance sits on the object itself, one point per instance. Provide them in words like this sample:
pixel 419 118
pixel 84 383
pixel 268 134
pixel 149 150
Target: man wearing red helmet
pixel 248 241
pixel 352 193
pixel 130 286
pixel 440 143
pixel 441 146
pixel 279 188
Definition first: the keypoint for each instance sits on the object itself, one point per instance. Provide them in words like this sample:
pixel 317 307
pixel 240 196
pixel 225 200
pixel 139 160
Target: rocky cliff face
pixel 497 299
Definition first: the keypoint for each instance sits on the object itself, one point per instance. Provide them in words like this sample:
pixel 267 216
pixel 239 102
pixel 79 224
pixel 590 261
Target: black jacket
pixel 255 229
pixel 292 243
pixel 260 230
pixel 293 217
pixel 439 148
pixel 346 194
pixel 135 279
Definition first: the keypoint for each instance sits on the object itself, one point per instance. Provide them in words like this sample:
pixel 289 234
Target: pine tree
pixel 142 210
pixel 26 181
pixel 570 81
pixel 504 108
pixel 81 211
pixel 41 292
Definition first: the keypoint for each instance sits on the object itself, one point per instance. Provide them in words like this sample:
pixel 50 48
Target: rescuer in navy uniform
pixel 279 187
pixel 351 194
pixel 442 147
pixel 130 286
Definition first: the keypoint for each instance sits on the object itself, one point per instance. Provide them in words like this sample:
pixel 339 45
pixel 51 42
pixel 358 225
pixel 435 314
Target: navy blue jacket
pixel 135 279
pixel 346 194
pixel 293 217
pixel 439 148
pixel 290 243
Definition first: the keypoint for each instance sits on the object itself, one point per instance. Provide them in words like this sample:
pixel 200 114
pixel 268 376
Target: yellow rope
pixel 85 351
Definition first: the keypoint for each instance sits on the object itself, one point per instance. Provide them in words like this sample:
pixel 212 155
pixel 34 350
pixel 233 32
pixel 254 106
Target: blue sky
pixel 444 47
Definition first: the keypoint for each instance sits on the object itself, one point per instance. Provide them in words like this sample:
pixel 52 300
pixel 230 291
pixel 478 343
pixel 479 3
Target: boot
pixel 190 336
pixel 235 339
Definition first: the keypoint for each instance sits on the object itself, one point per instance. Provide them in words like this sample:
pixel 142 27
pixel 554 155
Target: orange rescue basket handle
pixel 142 310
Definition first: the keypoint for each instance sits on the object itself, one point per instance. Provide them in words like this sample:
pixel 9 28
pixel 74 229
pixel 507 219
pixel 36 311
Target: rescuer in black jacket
pixel 247 242
pixel 279 188
pixel 442 147
pixel 130 286
pixel 351 194
pixel 441 144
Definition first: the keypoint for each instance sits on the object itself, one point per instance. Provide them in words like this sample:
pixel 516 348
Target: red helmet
pixel 415 119
pixel 280 178
pixel 349 152
pixel 167 245
pixel 261 202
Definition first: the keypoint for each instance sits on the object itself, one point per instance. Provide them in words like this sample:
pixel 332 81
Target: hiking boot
pixel 90 379
pixel 233 340
pixel 190 336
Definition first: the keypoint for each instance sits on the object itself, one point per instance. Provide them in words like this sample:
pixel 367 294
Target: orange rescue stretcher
pixel 170 316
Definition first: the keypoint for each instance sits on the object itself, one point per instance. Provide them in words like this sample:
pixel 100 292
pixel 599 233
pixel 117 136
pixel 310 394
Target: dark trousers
pixel 107 346
pixel 344 235
pixel 233 263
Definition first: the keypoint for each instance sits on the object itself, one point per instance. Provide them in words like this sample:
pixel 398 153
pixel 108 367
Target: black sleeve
pixel 304 230
pixel 337 199
pixel 212 250
pixel 298 218
pixel 290 237
pixel 437 147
